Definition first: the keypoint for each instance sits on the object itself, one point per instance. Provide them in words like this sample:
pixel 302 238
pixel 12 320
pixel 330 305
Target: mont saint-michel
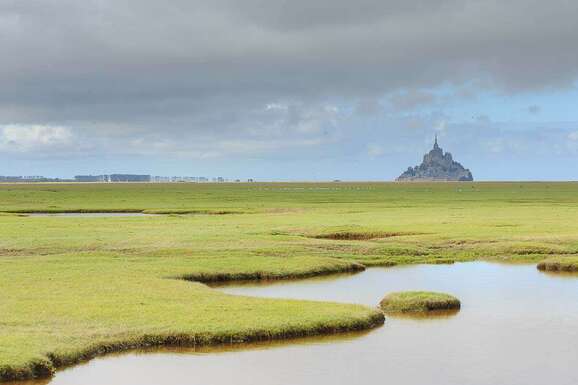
pixel 437 166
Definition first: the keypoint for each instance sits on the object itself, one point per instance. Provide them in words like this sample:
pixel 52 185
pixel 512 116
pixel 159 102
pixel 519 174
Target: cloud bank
pixel 265 78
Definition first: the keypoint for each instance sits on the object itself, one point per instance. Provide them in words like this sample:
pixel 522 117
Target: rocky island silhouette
pixel 437 166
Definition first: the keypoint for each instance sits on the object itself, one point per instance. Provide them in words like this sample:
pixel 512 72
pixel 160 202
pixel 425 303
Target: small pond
pixel 88 215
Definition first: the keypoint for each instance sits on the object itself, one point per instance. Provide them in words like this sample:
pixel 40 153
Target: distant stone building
pixel 129 178
pixel 437 166
pixel 91 178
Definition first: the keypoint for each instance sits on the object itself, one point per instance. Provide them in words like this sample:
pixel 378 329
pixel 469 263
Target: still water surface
pixel 88 215
pixel 516 326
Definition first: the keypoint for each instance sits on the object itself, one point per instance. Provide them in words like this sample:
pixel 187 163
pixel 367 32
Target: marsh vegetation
pixel 559 264
pixel 499 319
pixel 76 288
pixel 418 302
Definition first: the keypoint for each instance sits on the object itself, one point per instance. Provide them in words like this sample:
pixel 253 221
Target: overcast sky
pixel 288 90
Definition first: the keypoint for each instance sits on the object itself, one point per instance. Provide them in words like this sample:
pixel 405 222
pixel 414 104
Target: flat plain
pixel 75 287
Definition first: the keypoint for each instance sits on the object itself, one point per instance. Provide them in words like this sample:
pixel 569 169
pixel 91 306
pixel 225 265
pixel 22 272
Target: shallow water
pixel 88 215
pixel 516 326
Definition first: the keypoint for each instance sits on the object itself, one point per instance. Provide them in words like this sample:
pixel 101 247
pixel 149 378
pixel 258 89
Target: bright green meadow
pixel 72 288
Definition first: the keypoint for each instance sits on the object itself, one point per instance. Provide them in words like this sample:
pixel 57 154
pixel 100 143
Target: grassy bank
pixel 74 287
pixel 62 309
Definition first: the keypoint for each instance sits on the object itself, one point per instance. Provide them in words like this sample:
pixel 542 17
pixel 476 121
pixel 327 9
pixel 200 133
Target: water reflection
pixel 516 326
pixel 561 274
pixel 424 316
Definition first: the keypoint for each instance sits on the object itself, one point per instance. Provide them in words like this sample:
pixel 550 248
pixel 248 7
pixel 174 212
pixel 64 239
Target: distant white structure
pixel 186 179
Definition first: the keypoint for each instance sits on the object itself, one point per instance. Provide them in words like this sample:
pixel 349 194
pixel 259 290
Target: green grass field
pixel 72 287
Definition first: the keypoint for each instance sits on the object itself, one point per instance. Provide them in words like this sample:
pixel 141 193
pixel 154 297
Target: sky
pixel 288 89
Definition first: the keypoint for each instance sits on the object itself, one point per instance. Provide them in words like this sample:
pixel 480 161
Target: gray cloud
pixel 132 72
pixel 409 100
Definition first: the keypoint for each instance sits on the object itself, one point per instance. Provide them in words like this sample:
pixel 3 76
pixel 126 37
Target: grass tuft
pixel 418 302
pixel 559 264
